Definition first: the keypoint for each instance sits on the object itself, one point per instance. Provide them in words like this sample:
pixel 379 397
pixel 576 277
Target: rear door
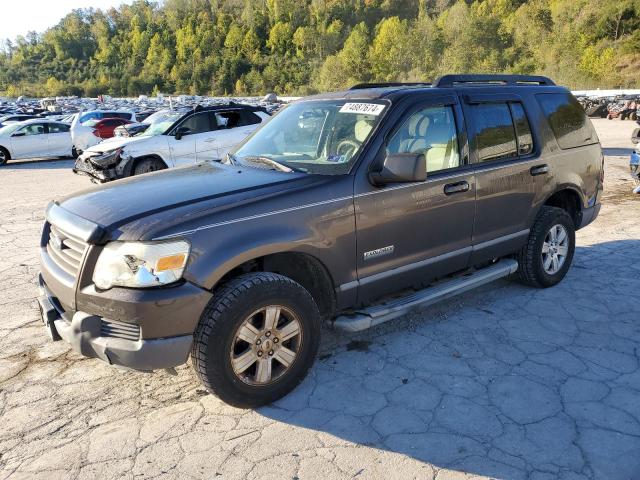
pixel 30 141
pixel 411 233
pixel 504 162
pixel 59 139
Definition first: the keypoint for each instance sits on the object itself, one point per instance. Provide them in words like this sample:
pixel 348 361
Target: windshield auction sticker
pixel 362 108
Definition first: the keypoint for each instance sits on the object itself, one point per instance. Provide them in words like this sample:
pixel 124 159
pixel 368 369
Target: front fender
pixel 325 232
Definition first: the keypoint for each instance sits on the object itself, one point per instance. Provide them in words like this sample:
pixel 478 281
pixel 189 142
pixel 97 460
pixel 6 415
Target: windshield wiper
pixel 266 161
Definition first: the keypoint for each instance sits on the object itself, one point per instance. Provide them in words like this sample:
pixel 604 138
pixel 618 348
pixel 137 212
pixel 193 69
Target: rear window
pixel 567 119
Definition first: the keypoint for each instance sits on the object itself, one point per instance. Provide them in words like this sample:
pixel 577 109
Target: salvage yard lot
pixel 506 381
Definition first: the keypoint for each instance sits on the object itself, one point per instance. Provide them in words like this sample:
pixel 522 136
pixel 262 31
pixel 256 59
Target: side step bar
pixel 377 314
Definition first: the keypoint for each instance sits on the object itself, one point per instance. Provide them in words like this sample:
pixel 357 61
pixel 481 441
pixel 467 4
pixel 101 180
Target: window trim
pixel 515 128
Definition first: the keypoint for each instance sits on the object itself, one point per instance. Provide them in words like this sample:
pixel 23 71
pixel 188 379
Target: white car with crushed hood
pixel 175 138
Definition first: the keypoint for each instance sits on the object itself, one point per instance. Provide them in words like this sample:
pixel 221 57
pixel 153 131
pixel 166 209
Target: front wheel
pixel 4 156
pixel 147 165
pixel 546 258
pixel 257 339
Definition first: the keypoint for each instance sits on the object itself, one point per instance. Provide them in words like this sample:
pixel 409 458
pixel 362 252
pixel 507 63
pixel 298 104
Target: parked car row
pixel 622 106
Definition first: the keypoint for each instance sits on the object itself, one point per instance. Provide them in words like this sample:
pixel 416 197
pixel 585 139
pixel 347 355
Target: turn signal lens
pixel 171 263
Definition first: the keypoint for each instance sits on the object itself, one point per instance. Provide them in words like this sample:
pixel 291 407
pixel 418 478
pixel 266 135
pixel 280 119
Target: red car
pixel 103 128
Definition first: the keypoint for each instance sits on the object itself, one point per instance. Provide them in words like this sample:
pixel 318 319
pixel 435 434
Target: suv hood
pixel 113 143
pixel 203 187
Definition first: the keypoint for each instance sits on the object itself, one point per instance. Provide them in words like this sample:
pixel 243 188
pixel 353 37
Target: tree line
pixel 249 47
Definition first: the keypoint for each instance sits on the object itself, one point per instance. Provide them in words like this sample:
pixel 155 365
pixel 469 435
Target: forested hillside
pixel 302 46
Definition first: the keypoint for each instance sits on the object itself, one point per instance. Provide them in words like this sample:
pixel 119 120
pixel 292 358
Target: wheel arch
pixel 130 168
pixel 7 151
pixel 569 199
pixel 304 268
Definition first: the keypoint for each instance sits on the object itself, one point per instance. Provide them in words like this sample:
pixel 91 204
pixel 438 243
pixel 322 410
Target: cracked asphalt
pixel 505 382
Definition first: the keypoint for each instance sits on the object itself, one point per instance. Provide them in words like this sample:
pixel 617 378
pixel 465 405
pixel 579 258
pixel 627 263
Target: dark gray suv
pixel 350 208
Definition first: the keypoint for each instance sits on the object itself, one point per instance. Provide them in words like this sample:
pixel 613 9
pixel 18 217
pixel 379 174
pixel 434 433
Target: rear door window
pixel 567 119
pixel 495 136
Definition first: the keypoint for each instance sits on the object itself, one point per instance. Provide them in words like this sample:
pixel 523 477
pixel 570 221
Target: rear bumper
pixel 92 336
pixel 634 166
pixel 589 215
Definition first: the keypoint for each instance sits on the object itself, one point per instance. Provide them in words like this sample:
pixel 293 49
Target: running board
pixel 380 313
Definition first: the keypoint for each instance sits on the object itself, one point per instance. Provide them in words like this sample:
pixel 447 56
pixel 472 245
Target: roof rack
pixel 451 80
pixel 362 86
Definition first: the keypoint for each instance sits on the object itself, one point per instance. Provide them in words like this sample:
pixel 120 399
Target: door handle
pixel 451 188
pixel 539 170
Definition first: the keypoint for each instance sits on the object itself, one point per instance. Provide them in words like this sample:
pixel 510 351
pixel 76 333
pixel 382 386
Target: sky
pixel 21 16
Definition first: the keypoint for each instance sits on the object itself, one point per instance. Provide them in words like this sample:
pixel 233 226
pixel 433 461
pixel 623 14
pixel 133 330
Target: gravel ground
pixel 506 381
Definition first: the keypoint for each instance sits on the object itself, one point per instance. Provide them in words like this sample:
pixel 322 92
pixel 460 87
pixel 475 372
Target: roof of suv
pixel 394 90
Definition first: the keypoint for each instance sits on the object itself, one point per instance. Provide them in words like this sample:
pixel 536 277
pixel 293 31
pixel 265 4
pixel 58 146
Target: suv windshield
pixel 160 122
pixel 322 137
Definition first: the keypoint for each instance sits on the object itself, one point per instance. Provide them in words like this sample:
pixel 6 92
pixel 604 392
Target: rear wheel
pixel 4 156
pixel 546 258
pixel 147 165
pixel 257 339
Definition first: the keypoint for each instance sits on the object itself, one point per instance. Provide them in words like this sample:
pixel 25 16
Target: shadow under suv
pixel 351 208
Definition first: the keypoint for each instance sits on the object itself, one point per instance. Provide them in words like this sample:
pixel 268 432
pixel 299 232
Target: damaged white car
pixel 175 138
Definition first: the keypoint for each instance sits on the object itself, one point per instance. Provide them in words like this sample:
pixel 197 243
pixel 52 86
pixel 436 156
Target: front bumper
pixel 83 166
pixel 119 169
pixel 115 342
pixel 85 334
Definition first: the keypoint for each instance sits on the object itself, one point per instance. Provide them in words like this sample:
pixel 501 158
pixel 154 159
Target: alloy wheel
pixel 266 345
pixel 555 249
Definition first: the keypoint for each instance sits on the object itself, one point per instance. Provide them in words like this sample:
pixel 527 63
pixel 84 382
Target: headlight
pixel 139 264
pixel 107 158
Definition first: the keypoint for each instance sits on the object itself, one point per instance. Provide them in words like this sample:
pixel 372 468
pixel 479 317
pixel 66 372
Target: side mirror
pixel 181 132
pixel 19 134
pixel 401 167
pixel 635 136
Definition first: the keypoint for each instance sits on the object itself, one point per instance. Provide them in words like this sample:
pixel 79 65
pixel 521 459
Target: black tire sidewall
pixel 217 352
pixel 560 218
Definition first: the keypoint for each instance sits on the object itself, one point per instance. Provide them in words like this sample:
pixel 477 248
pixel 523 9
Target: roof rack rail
pixel 362 86
pixel 451 80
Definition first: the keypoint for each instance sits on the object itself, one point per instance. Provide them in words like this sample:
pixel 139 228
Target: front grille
pixel 66 251
pixel 126 331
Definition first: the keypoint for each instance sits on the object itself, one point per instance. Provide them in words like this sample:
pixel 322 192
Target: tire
pixel 217 347
pixel 531 266
pixel 74 152
pixel 4 156
pixel 147 165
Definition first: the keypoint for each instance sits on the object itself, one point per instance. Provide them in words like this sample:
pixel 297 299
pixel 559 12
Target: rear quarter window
pixel 567 119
